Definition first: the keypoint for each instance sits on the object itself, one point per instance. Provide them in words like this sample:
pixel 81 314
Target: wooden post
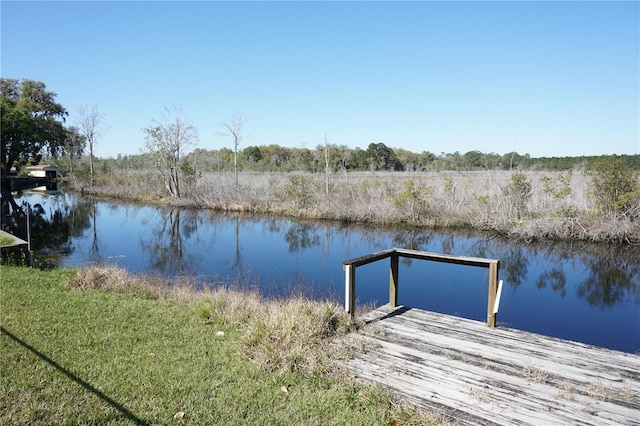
pixel 349 289
pixel 493 291
pixel 393 280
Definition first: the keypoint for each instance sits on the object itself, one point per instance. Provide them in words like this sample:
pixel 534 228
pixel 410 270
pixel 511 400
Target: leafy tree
pixel 251 154
pixel 32 122
pixel 491 160
pixel 275 156
pixel 382 157
pixel 167 140
pixel 426 159
pixel 358 160
pixel 223 158
pixel 73 147
pixel 513 160
pixel 410 160
pixel 302 159
pixel 473 160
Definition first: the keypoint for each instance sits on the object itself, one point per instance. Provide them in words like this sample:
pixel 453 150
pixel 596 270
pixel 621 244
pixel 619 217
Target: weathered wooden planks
pixel 474 374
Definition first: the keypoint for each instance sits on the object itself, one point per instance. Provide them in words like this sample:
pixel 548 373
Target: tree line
pixel 33 127
pixel 376 157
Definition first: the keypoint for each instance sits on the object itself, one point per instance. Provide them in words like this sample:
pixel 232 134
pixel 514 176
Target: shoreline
pixel 585 227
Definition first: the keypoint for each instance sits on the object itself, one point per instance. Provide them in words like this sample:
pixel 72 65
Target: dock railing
pixel 349 266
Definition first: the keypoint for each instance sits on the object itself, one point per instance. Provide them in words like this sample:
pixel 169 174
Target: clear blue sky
pixel 544 78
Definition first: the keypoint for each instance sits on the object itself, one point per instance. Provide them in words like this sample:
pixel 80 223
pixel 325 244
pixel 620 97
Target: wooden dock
pixel 17 251
pixel 471 374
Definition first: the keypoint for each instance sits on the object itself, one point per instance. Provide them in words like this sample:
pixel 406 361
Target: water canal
pixel 577 291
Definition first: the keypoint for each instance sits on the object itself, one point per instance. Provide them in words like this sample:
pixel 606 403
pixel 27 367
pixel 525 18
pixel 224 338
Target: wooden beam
pixel 393 280
pixel 493 291
pixel 446 258
pixel 369 258
pixel 350 289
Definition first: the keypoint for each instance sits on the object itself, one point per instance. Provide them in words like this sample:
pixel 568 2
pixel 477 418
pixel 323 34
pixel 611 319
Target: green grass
pixel 5 241
pixel 130 354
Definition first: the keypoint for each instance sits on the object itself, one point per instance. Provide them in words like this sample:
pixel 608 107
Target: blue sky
pixel 544 78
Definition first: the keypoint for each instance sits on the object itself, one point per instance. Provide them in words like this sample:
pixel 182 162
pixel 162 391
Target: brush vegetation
pixel 101 346
pixel 600 203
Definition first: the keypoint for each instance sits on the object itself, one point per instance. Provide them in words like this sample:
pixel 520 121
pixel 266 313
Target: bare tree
pixel 326 164
pixel 91 124
pixel 233 129
pixel 167 139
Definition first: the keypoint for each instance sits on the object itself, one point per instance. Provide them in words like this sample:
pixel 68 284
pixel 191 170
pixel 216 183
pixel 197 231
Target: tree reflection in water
pixel 555 278
pixel 52 225
pixel 609 281
pixel 166 246
pixel 613 271
pixel 301 236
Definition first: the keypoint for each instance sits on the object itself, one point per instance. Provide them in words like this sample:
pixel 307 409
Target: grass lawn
pixel 5 241
pixel 97 356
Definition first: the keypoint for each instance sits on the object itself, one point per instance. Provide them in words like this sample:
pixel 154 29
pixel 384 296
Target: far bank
pixel 528 205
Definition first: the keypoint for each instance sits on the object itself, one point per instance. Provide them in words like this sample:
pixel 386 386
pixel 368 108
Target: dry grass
pixel 119 280
pixel 608 393
pixel 534 375
pixel 286 335
pixel 482 396
pixel 558 205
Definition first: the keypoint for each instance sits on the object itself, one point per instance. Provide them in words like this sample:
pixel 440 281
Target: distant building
pixel 46 176
pixel 43 171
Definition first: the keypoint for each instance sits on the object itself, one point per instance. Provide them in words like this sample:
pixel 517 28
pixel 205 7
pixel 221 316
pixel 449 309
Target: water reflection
pixel 53 223
pixel 612 273
pixel 566 289
pixel 164 247
pixel 301 236
pixel 609 281
pixel 554 278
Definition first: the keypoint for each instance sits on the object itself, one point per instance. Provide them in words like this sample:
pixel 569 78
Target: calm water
pixel 588 293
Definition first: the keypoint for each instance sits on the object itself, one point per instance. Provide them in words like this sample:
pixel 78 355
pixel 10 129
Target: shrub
pixel 300 190
pixel 615 187
pixel 517 193
pixel 560 191
pixel 413 202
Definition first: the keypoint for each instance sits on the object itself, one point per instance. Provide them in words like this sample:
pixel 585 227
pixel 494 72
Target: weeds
pixel 535 376
pixel 607 393
pixel 483 396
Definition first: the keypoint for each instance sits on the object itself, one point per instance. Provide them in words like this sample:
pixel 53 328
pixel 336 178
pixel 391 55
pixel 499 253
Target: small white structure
pixel 43 171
